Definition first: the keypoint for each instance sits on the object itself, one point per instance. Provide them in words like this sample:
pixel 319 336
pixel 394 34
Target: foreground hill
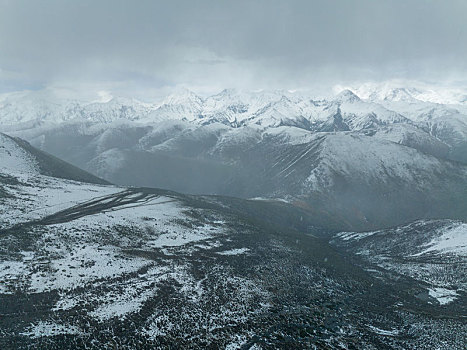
pixel 88 265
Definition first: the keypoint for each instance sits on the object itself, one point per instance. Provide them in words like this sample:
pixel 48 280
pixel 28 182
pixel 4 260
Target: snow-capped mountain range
pixel 362 108
pixel 366 107
pixel 340 155
pixel 235 107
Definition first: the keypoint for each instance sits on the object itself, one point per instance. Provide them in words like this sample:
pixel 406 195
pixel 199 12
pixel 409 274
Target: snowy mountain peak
pixel 399 91
pixel 347 96
pixel 227 93
pixel 396 94
pixel 364 108
pixel 183 97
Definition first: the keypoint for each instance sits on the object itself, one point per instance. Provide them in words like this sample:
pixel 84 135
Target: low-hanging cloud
pixel 263 43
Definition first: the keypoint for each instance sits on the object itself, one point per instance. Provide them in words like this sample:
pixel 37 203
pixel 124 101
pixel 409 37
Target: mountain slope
pixel 364 162
pixel 96 266
pixel 373 178
pixel 432 252
pixel 26 112
pixel 46 164
pixel 362 180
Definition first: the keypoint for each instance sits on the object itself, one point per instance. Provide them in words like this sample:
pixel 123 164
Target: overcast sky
pixel 135 46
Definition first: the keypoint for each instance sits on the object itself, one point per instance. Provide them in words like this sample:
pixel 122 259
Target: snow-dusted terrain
pixel 339 154
pixel 89 244
pixel 84 264
pixel 433 252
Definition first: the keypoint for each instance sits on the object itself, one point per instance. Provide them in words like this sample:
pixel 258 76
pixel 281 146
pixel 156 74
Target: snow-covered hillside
pixel 433 252
pixel 93 265
pixel 14 159
pixel 396 147
pixel 400 166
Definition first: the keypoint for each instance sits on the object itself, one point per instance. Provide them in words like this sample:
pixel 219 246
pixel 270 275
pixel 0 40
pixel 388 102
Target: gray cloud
pixel 262 43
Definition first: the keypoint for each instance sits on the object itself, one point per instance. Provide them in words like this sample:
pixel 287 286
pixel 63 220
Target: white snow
pixel 122 305
pixel 449 240
pixel 389 102
pixel 11 273
pixel 81 265
pixel 43 195
pixel 347 236
pixel 408 91
pixel 48 329
pixel 14 159
pixel 68 257
pixel 268 199
pixel 383 331
pixel 158 215
pixel 236 251
pixel 371 160
pixel 153 330
pixel 236 343
pixel 443 295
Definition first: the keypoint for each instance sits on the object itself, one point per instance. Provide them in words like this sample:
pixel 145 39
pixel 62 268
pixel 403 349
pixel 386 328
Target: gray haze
pixel 134 46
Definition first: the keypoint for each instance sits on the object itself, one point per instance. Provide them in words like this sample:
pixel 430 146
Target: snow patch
pixel 347 236
pixel 452 240
pixel 383 331
pixel 443 295
pixel 236 251
pixel 49 329
pixel 83 264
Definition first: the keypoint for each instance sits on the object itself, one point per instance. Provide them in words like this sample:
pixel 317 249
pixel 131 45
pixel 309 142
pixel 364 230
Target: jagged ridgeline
pixel 350 163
